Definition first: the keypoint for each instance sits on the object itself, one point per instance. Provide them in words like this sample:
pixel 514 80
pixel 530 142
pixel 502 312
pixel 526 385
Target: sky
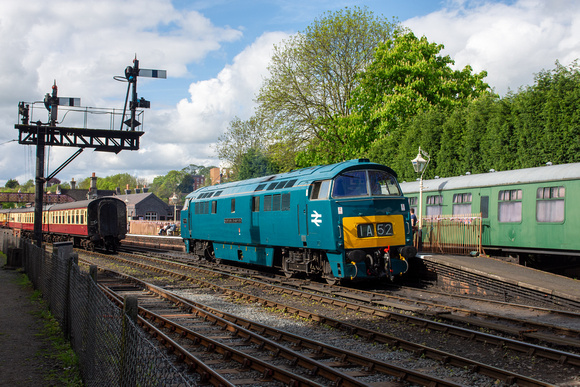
pixel 216 54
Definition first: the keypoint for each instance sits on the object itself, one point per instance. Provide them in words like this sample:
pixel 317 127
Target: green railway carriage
pixel 531 212
pixel 342 221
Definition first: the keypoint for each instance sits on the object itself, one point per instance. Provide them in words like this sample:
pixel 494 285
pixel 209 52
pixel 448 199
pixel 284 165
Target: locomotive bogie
pixel 308 221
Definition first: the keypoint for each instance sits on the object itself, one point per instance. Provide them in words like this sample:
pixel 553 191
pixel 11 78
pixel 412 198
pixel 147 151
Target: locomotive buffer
pixel 103 140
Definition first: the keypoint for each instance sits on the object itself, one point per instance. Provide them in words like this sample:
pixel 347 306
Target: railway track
pixel 524 322
pixel 378 337
pixel 220 344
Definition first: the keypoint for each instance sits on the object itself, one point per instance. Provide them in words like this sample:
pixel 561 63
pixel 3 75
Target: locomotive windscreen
pixel 361 182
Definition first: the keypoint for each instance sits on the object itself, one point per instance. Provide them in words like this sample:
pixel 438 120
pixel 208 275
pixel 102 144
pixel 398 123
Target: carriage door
pixel 107 218
pixel 484 209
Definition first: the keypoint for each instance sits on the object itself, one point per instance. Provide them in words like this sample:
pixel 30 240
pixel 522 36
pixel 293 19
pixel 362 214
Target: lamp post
pixel 174 199
pixel 419 165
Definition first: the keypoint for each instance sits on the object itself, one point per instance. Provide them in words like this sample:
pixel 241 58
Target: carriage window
pixel 510 206
pixel 413 203
pixel 550 204
pixel 434 205
pixel 214 207
pixel 233 206
pixel 320 190
pixel 268 203
pixel 484 207
pixel 461 204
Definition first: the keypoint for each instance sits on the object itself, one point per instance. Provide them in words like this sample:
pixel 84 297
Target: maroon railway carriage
pixel 90 224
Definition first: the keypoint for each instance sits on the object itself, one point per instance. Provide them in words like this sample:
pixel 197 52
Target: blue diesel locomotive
pixel 342 221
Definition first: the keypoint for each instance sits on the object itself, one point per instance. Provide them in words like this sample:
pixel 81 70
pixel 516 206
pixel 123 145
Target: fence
pixel 452 234
pixel 149 227
pixel 112 350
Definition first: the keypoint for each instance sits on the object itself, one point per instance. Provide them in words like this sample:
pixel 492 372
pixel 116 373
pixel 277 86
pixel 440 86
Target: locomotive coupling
pixel 409 252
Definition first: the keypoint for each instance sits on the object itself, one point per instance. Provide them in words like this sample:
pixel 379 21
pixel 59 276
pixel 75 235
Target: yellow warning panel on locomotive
pixel 373 231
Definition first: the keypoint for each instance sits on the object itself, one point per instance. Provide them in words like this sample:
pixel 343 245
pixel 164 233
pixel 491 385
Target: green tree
pixel 12 183
pixel 29 186
pixel 314 73
pixel 407 77
pixel 120 180
pixel 241 137
pixel 255 164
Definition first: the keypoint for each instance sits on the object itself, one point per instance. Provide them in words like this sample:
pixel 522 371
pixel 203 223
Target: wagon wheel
pixel 328 275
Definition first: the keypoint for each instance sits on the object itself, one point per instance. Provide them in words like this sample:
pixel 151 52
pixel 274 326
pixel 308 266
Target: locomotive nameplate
pixel 233 220
pixel 367 230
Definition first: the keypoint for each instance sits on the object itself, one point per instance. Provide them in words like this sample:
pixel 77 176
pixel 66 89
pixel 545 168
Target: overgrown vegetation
pixel 333 95
pixel 58 357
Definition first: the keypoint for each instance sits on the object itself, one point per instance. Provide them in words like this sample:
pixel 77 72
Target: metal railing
pixel 112 350
pixel 453 234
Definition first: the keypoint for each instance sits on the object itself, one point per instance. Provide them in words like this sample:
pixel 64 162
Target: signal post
pixel 103 140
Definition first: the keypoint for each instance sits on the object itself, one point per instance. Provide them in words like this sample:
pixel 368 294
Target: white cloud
pixel 81 45
pixel 215 102
pixel 511 42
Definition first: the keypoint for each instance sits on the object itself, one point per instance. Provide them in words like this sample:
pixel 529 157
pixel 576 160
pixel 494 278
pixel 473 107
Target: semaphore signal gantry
pixel 103 140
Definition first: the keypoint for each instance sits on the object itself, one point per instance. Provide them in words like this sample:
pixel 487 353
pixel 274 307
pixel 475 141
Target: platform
pixel 512 273
pixel 155 241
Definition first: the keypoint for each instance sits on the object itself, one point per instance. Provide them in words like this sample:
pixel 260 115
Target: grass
pixel 60 360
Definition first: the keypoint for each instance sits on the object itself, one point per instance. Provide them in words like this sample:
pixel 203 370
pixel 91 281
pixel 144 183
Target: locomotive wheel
pixel 328 276
pixel 287 272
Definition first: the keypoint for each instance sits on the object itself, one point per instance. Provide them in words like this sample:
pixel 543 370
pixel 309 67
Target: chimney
pixel 145 189
pixel 93 189
pixel 73 183
pixel 137 190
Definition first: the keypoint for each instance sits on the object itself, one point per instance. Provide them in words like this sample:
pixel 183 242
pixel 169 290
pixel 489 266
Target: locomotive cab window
pixel 550 204
pixel 510 206
pixel 383 184
pixel 320 190
pixel 255 204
